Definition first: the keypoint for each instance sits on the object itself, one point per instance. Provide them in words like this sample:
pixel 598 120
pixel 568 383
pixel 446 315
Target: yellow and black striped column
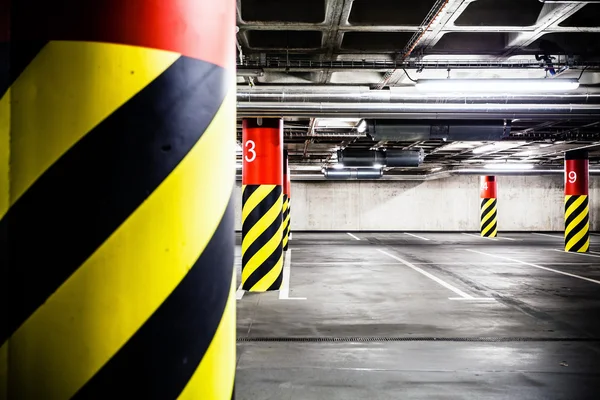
pixel 489 202
pixel 120 221
pixel 262 204
pixel 577 225
pixel 286 201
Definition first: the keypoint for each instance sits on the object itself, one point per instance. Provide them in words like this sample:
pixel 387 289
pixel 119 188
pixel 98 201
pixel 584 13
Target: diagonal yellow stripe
pixel 255 199
pixel 4 153
pixel 262 225
pixel 261 256
pixel 267 281
pixel 577 220
pixel 487 205
pixel 214 377
pixel 489 227
pixel 74 85
pixel 95 312
pixel 488 216
pixel 578 236
pixel 574 206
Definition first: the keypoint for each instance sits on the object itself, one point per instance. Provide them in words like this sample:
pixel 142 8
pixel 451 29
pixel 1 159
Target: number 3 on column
pixel 250 149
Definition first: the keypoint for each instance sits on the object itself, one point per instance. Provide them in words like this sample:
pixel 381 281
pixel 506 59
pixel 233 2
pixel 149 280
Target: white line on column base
pixel 240 293
pixel 473 299
pixel 352 236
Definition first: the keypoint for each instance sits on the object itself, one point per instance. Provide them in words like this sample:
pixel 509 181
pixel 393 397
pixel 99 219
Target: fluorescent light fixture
pixel 484 149
pixel 508 86
pixel 509 167
pixel 362 126
pixel 238 166
pixel 238 148
pixel 377 166
pixel 436 169
pixel 337 166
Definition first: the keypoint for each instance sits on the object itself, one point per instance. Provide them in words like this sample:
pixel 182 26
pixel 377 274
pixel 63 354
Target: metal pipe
pixel 362 94
pixel 418 110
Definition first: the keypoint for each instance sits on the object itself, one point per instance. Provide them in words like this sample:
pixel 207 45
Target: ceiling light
pixel 337 166
pixel 510 167
pixel 377 166
pixel 238 166
pixel 497 85
pixel 362 126
pixel 484 149
pixel 436 169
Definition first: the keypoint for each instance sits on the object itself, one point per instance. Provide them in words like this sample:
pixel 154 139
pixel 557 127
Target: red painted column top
pixel 576 173
pixel 489 187
pixel 262 151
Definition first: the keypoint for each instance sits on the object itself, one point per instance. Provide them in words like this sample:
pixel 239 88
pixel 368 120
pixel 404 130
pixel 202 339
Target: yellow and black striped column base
pixel 577 225
pixel 286 222
pixel 489 218
pixel 262 237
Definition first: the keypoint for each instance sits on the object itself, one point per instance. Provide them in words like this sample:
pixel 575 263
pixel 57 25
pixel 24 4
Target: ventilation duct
pixel 410 130
pixel 356 158
pixel 347 173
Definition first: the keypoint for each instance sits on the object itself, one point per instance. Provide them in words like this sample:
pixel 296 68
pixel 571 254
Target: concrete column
pixel 577 226
pixel 262 204
pixel 119 220
pixel 489 202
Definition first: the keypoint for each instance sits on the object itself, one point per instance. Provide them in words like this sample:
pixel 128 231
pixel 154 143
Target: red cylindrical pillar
pixel 262 204
pixel 489 213
pixel 577 226
pixel 286 201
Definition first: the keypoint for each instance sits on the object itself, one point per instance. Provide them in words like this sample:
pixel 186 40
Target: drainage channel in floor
pixel 365 339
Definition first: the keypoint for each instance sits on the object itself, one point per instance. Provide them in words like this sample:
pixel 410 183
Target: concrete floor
pixel 478 298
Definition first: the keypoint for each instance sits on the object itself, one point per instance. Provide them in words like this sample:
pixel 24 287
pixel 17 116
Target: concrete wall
pixel 525 203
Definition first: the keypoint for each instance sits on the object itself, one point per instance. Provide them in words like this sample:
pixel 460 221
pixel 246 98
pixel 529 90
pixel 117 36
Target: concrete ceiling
pixel 380 44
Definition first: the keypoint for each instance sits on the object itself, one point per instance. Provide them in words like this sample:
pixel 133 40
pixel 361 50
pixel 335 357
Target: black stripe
pixel 494 227
pixel 264 269
pixel 261 208
pixel 484 202
pixel 570 201
pixel 161 357
pixel 578 228
pixel 264 122
pixel 579 245
pixel 14 58
pixel 248 191
pixel 262 240
pixel 489 221
pixel 81 199
pixel 583 207
pixel 277 284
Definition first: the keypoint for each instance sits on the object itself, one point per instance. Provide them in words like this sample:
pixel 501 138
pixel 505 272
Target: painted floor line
pixel 375 264
pixel 416 236
pixel 351 235
pixel 284 292
pixel 595 255
pixel 473 299
pixel 545 234
pixel 478 236
pixel 507 238
pixel 240 293
pixel 536 266
pixel 430 276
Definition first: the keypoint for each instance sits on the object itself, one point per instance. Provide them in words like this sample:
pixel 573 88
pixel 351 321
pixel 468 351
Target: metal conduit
pixel 418 110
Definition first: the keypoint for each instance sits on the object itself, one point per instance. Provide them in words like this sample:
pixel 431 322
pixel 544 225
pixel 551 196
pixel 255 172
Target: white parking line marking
pixel 579 254
pixel 240 293
pixel 544 234
pixel 430 276
pixel 506 238
pixel 473 299
pixel 479 236
pixel 284 292
pixel 418 237
pixel 352 236
pixel 537 266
